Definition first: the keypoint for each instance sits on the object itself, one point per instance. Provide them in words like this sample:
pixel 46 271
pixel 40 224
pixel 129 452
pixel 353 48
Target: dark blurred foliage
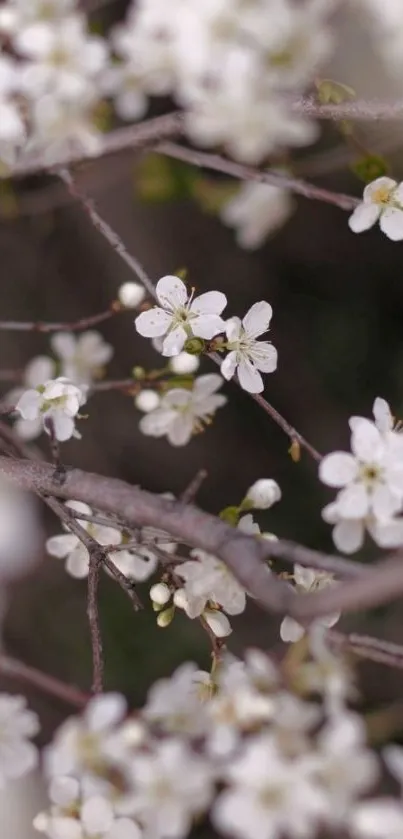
pixel 338 320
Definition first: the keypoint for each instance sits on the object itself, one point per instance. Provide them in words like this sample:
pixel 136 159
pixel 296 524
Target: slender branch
pixel 244 555
pixel 204 160
pixel 15 669
pixel 189 494
pixel 71 326
pixel 106 231
pixel 364 646
pixel 95 559
pixel 130 137
pixel 356 109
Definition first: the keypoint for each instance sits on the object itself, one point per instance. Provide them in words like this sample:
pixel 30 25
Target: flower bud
pixel 160 594
pixel 166 617
pixel 262 494
pixel 218 622
pixel 131 295
pixel 184 363
pixel 147 400
pixel 195 346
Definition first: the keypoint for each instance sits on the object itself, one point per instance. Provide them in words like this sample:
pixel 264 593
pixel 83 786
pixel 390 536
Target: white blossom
pixel 383 202
pixel 263 494
pixel 172 785
pixel 378 818
pixel 183 412
pixel 81 358
pixel 131 294
pixel 218 622
pixel 178 704
pixel 61 128
pixel 370 481
pixel 21 539
pixel 17 724
pixel 247 356
pixel 39 370
pixel 179 316
pixel 307 580
pixel 64 60
pixel 73 815
pixel 256 211
pixel 268 795
pixel 82 745
pixel 12 128
pixel 57 401
pixel 160 594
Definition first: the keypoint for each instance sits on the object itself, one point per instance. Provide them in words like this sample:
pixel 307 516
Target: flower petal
pixel 366 441
pixel 207 326
pixel 29 404
pixel 78 562
pixel 210 303
pixel 171 292
pixel 157 423
pixel 364 217
pixel 382 415
pixel 181 430
pixel 64 344
pixel 338 469
pixel 206 385
pixel 61 546
pixel 291 631
pixel 353 501
pixel 264 356
pixel 383 183
pixel 174 341
pixel 63 425
pixel 39 370
pixel 153 323
pixel 348 536
pixel 229 365
pixel 233 328
pixel 391 223
pixel 249 377
pixel 257 320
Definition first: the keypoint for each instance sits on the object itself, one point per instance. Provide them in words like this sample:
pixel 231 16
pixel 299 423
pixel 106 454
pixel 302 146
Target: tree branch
pixel 244 555
pixel 72 326
pixel 356 109
pixel 203 160
pixel 14 669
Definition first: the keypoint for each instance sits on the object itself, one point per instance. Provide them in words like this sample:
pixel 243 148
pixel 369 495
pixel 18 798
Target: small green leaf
pixel 333 93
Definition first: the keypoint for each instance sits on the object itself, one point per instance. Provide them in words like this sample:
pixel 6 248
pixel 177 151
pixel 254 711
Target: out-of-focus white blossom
pixel 383 202
pixel 247 356
pixel 182 412
pixel 179 316
pixel 307 580
pixel 20 532
pixel 131 294
pixel 17 724
pixel 58 401
pixel 256 211
pixel 39 370
pixel 172 786
pixel 81 358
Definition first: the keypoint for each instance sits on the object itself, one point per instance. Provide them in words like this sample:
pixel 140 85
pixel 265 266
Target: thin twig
pixel 218 163
pixel 95 559
pixel 189 494
pixel 106 230
pixel 372 649
pixel 15 669
pixel 357 109
pixel 131 137
pixel 61 326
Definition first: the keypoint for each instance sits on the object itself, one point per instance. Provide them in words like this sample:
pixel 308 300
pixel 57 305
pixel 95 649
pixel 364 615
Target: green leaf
pixel 370 167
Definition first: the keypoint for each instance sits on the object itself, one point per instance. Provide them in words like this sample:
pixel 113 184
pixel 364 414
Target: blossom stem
pixel 72 326
pixel 190 492
pixel 14 669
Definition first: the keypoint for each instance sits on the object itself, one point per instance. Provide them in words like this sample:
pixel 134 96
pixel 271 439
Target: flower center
pixel 370 474
pixel 382 195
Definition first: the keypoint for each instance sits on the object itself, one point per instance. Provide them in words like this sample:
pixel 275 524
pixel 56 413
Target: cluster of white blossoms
pixel 50 79
pixel 385 25
pixel 383 202
pixel 179 318
pixel 79 359
pixel 53 406
pixel 238 745
pixel 307 580
pixel 273 48
pixel 370 483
